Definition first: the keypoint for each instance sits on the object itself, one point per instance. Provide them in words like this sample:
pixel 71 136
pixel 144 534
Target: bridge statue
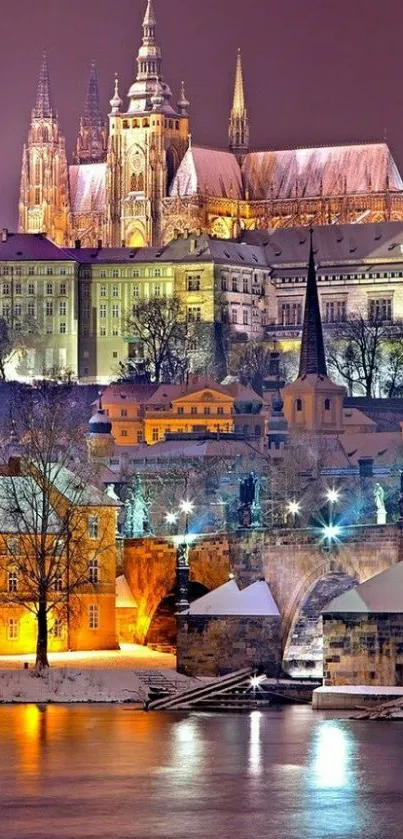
pixel 249 506
pixel 379 496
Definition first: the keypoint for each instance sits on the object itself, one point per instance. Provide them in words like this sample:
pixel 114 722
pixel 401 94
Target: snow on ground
pixel 129 656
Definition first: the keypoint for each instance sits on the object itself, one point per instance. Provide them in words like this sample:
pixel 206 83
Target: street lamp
pixel 171 518
pixel 182 551
pixel 330 533
pixel 294 509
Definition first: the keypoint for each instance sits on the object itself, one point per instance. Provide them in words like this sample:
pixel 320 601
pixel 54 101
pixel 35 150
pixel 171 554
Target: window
pixel 298 405
pixel 103 310
pixel 86 290
pixel 102 274
pixel 194 314
pixel 136 272
pixel 223 284
pixel 62 307
pixel 335 311
pixel 93 571
pixel 62 288
pixel 49 329
pixel 115 333
pixel 207 411
pixel 124 432
pixel 157 291
pixel 234 316
pixel 18 310
pixel 62 328
pixel 220 412
pixel 115 310
pixel 58 583
pixel 63 271
pixel 290 313
pixel 245 285
pixel 155 435
pixel 102 331
pixel 157 272
pixel 194 284
pixel 102 291
pixel 93 616
pixel 136 291
pixel 31 288
pixel 49 271
pixel 31 309
pixel 115 291
pixel 6 288
pixel 245 317
pixel 234 284
pixel 93 527
pixel 115 273
pixel 12 582
pixel 193 409
pixel 86 310
pixel 181 410
pixel 31 271
pixel 12 629
pixel 327 404
pixel 18 288
pixel 49 288
pixel 57 628
pixel 380 309
pixel 139 436
pixel 49 308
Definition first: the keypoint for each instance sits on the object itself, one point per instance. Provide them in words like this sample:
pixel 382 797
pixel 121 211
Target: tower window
pixel 93 571
pixel 298 405
pixel 327 404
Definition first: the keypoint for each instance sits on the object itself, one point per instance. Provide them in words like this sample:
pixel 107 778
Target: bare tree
pixel 159 327
pixel 54 535
pixel 393 368
pixel 355 349
pixel 251 363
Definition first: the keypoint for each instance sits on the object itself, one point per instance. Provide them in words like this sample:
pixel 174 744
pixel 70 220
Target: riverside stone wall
pixel 363 649
pixel 214 646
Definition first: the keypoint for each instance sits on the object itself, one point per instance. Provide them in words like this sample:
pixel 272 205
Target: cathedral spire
pixel 239 123
pixel 91 140
pixel 312 358
pixel 149 17
pixel 149 91
pixel 43 104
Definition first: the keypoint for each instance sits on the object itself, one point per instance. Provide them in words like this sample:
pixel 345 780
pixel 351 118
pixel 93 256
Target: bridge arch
pixel 162 630
pixel 303 635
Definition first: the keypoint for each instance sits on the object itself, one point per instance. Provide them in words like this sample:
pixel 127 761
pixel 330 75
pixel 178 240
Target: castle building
pixel 142 179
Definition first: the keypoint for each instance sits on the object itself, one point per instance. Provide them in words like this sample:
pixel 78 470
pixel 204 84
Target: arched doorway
pixel 162 631
pixel 303 653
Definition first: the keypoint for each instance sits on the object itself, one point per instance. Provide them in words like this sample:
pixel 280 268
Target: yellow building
pixel 86 565
pixel 177 409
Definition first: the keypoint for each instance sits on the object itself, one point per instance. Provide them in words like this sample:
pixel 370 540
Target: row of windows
pixel 145 123
pixel 93 577
pixel 17 288
pixel 31 309
pixel 206 410
pixel 57 629
pixel 121 273
pixel 159 435
pixel 32 270
pixel 334 311
pixel 377 275
pixel 157 290
pixel 237 286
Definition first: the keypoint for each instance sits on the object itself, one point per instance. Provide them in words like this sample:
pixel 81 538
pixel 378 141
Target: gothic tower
pixel 91 140
pixel 147 142
pixel 44 189
pixel 239 123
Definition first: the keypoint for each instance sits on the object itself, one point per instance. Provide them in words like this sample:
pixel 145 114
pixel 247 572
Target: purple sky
pixel 316 71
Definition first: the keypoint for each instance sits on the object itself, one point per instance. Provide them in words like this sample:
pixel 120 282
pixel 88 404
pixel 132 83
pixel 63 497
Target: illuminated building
pixel 144 179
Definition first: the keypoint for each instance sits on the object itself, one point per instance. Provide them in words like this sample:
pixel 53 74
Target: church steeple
pixel 239 122
pixel 312 357
pixel 43 108
pixel 91 140
pixel 149 87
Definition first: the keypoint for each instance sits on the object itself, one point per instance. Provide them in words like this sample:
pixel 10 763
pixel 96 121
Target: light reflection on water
pixel 112 773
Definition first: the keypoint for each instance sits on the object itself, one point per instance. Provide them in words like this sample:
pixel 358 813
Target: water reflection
pixel 87 772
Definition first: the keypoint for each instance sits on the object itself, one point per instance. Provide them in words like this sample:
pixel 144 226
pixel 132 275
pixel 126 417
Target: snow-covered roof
pixel 208 171
pixel 382 593
pixel 88 187
pixel 255 600
pixel 124 597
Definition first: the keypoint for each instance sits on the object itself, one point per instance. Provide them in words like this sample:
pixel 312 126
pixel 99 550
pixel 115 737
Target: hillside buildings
pixel 137 177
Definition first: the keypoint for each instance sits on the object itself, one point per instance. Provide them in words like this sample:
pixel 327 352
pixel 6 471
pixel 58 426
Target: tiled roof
pixel 88 187
pixel 335 170
pixel 208 171
pixel 22 247
pixel 121 394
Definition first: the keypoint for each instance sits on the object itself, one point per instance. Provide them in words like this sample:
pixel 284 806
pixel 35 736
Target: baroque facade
pixel 141 179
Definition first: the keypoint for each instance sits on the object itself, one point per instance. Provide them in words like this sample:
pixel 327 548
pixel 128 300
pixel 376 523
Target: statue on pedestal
pixel 379 496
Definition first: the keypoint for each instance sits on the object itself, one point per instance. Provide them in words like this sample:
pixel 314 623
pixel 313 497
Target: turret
pixel 100 441
pixel 239 123
pixel 149 83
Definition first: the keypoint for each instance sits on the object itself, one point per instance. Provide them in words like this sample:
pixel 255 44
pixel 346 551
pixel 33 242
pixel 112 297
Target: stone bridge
pixel 303 576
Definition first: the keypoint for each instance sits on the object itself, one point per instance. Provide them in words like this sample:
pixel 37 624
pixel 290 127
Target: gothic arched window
pixel 37 171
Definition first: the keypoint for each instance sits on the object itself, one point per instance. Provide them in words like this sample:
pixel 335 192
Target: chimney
pixel 366 467
pixel 192 245
pixel 176 233
pixel 186 233
pixel 77 244
pixel 4 234
pixel 123 243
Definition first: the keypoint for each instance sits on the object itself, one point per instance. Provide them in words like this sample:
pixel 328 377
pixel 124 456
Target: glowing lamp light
pixel 331 531
pixel 332 496
pixel 256 681
pixel 294 508
pixel 187 507
pixel 171 518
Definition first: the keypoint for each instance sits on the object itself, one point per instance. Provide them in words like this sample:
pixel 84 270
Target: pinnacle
pixel 238 106
pixel 149 17
pixel 312 359
pixel 43 103
pixel 92 111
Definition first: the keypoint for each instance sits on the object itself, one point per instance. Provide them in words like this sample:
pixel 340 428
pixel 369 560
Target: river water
pixel 114 772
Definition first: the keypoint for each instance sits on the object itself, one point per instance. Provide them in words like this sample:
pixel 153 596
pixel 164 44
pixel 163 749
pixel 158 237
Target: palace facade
pixel 140 179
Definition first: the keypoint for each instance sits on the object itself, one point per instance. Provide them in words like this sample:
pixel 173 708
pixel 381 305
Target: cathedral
pixel 139 181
